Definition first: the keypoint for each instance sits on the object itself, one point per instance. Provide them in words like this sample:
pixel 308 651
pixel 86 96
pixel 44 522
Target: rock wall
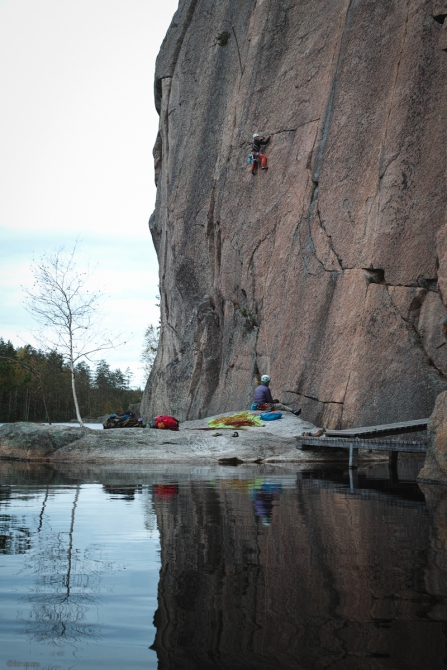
pixel 329 270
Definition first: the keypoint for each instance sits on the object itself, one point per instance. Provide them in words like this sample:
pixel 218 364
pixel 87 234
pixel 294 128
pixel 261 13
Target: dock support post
pixel 353 456
pixel 353 479
pixel 392 459
pixel 392 465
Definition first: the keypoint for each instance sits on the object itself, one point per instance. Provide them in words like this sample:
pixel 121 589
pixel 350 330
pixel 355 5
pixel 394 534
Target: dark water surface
pixel 238 568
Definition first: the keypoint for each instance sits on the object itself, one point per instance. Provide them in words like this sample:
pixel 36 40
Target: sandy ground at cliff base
pixel 276 442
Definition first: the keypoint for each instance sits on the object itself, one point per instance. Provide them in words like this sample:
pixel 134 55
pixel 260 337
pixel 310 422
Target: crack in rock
pixel 309 397
pixel 311 244
pixel 412 328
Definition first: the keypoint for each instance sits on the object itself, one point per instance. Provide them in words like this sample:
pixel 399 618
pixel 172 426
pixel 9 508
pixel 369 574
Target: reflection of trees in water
pixel 122 492
pixel 15 537
pixel 60 621
pixel 14 534
pixel 66 584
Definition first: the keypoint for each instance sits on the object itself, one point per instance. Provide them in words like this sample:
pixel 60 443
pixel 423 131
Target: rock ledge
pixel 276 442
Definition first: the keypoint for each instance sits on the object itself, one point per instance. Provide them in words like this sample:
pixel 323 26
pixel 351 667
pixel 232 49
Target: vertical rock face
pixel 329 270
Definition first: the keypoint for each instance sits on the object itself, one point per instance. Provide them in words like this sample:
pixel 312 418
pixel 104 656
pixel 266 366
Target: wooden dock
pixel 366 438
pixel 368 432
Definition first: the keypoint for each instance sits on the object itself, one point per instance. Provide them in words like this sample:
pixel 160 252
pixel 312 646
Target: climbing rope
pixel 265 320
pixel 287 278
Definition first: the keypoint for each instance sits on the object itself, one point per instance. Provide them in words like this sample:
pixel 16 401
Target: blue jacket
pixel 262 395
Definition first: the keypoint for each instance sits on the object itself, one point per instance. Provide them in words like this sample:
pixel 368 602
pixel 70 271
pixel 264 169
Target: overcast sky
pixel 77 127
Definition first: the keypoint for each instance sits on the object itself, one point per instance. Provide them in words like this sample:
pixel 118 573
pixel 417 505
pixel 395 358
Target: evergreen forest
pixel 35 385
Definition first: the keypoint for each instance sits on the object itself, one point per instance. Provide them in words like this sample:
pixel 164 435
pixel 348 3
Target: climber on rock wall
pixel 255 152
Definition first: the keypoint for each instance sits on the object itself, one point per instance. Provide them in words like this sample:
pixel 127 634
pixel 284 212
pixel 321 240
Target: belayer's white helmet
pixel 255 135
pixel 265 379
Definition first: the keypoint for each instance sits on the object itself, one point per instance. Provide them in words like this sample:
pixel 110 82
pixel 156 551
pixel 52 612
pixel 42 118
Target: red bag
pixel 167 422
pixel 165 490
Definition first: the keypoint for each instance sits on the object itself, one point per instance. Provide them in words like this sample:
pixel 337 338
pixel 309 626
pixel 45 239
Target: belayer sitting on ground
pixel 263 399
pixel 255 152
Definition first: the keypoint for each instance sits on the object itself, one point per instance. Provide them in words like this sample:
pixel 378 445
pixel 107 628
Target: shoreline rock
pixel 274 443
pixel 435 466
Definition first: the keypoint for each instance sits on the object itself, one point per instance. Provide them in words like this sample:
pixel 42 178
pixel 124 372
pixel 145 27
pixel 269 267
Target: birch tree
pixel 67 312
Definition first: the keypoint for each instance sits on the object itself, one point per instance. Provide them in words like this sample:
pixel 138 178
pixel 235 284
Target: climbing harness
pixel 253 159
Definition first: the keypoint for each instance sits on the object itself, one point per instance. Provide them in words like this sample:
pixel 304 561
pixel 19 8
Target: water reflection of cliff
pixel 324 577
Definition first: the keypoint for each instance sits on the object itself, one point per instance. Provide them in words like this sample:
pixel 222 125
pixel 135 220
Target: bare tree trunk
pixel 27 401
pixel 75 398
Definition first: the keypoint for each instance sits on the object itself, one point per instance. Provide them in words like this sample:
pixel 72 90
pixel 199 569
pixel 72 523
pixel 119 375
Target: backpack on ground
pixel 126 420
pixel 164 421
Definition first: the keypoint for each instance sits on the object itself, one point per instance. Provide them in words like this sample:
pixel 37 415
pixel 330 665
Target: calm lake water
pixel 243 567
pixel 93 426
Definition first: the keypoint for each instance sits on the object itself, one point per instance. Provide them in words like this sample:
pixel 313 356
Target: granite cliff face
pixel 329 270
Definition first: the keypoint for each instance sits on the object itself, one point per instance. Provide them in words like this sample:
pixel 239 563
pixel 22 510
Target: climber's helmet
pixel 265 379
pixel 255 135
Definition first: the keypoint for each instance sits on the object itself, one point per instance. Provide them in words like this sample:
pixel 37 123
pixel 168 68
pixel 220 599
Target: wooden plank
pixel 382 445
pixel 385 429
